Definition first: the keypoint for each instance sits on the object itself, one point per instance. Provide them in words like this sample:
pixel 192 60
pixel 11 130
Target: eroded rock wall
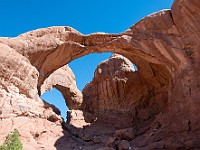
pixel 39 123
pixel 112 86
pixel 115 91
pixel 118 105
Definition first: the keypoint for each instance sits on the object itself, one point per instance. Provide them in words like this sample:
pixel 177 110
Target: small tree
pixel 12 142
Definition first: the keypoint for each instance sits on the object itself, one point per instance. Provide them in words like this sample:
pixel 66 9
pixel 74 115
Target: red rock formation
pixel 115 91
pixel 165 48
pixel 110 88
pixel 117 105
pixel 63 79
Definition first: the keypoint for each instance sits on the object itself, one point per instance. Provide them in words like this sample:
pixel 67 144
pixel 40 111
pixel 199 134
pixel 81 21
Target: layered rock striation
pixel 115 86
pixel 115 91
pixel 118 105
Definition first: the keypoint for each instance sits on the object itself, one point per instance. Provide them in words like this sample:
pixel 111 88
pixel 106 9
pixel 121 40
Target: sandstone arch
pixel 63 79
pixel 164 46
pixel 154 44
pixel 146 47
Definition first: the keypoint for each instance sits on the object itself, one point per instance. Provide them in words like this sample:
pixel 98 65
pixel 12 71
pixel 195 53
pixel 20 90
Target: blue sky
pixel 86 16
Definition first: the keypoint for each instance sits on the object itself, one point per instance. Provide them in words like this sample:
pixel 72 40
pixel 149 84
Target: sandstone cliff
pixel 165 48
pixel 115 91
pixel 111 88
pixel 117 106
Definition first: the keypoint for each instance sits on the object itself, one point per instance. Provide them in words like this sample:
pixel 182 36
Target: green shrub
pixel 12 142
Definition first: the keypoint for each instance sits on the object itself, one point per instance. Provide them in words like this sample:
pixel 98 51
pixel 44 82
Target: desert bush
pixel 12 142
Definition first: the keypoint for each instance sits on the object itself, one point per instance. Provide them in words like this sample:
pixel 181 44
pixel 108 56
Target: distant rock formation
pixel 117 104
pixel 111 87
pixel 164 110
pixel 116 89
pixel 63 79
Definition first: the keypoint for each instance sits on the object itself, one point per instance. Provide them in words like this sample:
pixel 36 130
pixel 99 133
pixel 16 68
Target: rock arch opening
pixel 153 73
pixel 163 47
pixel 60 87
pixel 155 69
pixel 118 97
pixel 56 98
pixel 117 90
pixel 63 83
pixel 84 67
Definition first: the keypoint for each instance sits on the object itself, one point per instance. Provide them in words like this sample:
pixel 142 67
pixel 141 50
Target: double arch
pixel 150 48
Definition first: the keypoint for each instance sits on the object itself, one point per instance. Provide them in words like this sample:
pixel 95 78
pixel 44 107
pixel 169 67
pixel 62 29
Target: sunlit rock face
pixel 115 90
pixel 165 48
pixel 117 104
pixel 110 88
pixel 63 79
